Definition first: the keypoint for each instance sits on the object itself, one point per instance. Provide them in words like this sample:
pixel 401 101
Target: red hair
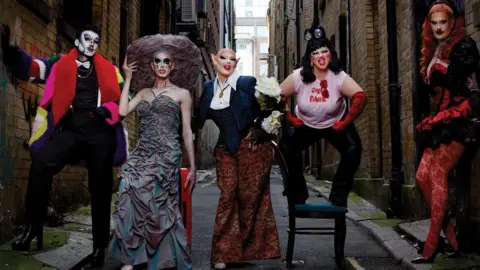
pixel 428 40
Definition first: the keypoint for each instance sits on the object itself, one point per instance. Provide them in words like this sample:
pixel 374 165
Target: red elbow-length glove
pixel 445 116
pixel 294 121
pixel 359 100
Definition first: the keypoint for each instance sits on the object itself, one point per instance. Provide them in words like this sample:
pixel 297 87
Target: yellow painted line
pixel 353 264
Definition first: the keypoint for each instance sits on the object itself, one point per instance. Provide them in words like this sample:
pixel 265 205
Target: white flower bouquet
pixel 268 93
pixel 272 123
pixel 268 125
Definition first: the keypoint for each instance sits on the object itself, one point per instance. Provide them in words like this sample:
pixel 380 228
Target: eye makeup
pixel 89 38
pixel 165 61
pixel 233 59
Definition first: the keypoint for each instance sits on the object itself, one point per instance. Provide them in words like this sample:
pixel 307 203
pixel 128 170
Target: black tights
pixel 347 142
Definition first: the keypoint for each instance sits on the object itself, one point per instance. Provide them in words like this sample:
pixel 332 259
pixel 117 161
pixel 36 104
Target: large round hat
pixel 185 55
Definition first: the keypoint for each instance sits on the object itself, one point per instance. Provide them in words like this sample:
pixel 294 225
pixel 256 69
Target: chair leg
pixel 291 242
pixel 339 241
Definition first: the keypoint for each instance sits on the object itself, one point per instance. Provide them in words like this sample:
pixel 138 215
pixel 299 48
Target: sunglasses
pixel 165 61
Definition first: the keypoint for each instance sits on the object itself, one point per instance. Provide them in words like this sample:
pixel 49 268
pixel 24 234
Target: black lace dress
pixel 449 88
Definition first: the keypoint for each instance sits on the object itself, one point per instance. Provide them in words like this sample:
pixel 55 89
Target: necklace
pixel 88 74
pixel 222 90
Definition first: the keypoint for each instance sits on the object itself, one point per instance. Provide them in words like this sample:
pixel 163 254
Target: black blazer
pixel 243 102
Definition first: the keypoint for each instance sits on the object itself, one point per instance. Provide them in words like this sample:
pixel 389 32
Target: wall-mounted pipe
pixel 397 179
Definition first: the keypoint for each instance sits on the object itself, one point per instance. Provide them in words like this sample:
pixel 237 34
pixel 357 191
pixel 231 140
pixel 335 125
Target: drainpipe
pixel 349 37
pixel 299 35
pixel 397 179
pixel 173 16
pixel 316 19
pixel 285 48
pixel 222 24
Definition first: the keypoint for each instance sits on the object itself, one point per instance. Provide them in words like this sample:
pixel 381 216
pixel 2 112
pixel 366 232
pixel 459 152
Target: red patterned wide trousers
pixel 245 227
pixel 432 177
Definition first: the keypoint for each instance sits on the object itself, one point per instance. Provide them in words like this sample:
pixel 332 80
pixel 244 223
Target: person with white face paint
pixel 149 228
pixel 77 120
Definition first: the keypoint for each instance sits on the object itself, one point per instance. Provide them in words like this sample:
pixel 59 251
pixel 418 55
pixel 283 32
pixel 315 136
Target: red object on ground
pixel 186 205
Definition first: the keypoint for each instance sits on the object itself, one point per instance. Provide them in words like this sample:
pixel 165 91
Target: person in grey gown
pixel 149 227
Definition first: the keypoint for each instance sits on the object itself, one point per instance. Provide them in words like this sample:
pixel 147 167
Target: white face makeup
pixel 162 65
pixel 441 25
pixel 225 62
pixel 88 43
pixel 321 57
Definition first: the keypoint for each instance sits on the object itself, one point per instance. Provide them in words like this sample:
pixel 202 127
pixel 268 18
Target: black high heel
pixel 31 232
pixel 440 249
pixel 421 245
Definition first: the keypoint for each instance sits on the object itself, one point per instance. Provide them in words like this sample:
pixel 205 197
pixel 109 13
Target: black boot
pixel 98 257
pixel 31 232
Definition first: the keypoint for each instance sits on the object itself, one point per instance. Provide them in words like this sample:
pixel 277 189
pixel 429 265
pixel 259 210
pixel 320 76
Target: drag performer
pixel 321 87
pixel 245 226
pixel 449 66
pixel 149 226
pixel 81 94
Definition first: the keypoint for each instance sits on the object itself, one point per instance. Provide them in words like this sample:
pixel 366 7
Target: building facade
pixel 359 32
pixel 251 36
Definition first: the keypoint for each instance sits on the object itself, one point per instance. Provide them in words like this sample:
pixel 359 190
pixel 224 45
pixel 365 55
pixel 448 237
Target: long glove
pixel 446 116
pixel 359 100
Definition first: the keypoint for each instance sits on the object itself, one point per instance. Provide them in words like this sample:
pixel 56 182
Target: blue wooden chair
pixel 315 210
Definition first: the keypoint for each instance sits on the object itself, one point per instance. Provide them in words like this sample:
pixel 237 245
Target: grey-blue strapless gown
pixel 149 227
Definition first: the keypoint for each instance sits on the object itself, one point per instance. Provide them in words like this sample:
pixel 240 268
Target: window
pixel 248 2
pixel 263 47
pixel 262 31
pixel 248 14
pixel 242 46
pixel 245 30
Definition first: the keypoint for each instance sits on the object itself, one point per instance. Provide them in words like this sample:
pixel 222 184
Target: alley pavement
pixel 311 251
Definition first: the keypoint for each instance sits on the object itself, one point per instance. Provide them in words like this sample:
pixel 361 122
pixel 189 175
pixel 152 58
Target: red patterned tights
pixel 432 178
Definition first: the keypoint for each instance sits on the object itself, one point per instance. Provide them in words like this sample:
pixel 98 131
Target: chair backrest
pixel 280 161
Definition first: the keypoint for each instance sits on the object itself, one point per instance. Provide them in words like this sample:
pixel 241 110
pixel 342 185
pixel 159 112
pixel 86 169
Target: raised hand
pixel 128 69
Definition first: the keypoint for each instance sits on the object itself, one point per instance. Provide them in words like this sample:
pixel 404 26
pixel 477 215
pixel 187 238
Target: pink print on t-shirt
pixel 320 104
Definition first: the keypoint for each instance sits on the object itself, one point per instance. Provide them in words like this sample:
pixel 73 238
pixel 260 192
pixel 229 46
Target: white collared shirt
pixel 223 102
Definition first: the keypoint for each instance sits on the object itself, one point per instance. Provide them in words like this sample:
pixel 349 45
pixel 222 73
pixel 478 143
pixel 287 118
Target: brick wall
pixel 40 40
